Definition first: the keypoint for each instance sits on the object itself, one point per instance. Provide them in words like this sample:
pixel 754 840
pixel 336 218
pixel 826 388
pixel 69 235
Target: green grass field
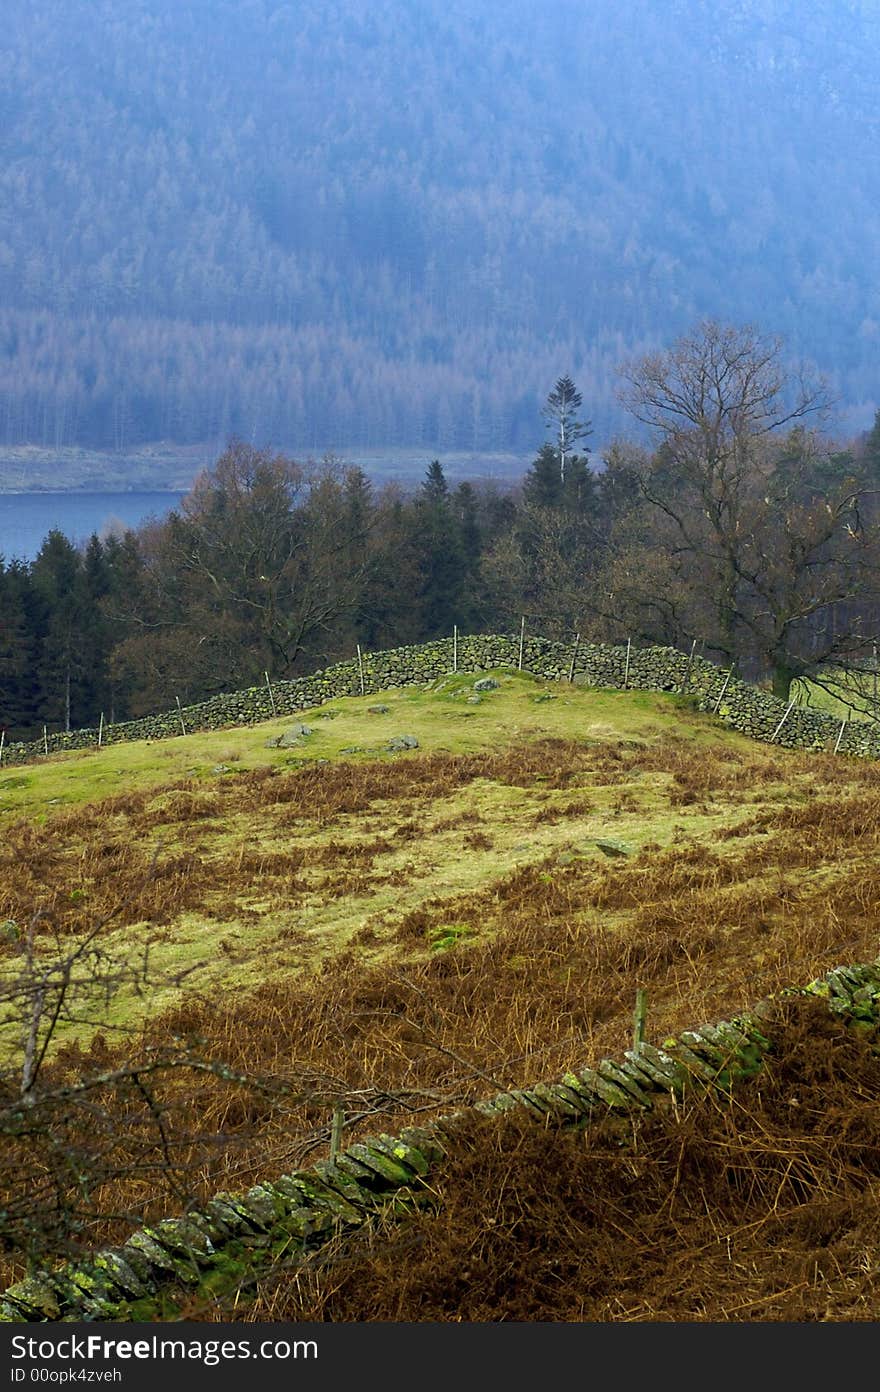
pixel 853 696
pixel 440 716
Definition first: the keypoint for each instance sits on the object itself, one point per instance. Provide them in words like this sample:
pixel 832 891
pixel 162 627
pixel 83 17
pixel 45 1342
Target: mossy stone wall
pixel 236 1236
pixel 742 707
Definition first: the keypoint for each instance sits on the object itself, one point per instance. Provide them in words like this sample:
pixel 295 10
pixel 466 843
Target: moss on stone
pixel 389 1171
pixel 615 1097
pixel 613 1073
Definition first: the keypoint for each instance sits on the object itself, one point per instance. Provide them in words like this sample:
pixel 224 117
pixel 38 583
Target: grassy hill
pixel 395 932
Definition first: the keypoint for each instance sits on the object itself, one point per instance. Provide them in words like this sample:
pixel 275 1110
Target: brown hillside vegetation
pixel 759 1206
pixel 399 937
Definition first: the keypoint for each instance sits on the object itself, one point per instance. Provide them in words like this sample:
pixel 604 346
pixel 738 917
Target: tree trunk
pixel 783 676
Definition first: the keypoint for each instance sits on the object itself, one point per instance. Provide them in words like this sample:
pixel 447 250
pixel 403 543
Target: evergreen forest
pixel 332 225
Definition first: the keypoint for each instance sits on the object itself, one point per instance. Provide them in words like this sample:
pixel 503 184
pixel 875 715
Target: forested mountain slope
pixel 330 223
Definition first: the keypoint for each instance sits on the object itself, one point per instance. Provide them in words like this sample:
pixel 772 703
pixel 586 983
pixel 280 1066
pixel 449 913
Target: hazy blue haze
pixel 333 223
pixel 27 518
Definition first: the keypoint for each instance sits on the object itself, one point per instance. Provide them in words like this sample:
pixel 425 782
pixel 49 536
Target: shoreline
pixel 166 468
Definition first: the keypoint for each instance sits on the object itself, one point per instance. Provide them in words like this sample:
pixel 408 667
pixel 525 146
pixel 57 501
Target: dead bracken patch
pixel 757 1207
pixel 748 870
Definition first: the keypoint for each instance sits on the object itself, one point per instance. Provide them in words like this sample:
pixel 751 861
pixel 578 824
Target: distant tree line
pixel 742 526
pixel 331 225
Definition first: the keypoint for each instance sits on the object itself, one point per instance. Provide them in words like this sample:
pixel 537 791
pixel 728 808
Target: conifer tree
pixel 441 556
pixel 560 414
pixel 542 485
pixel 56 573
pixel 435 489
pixel 18 684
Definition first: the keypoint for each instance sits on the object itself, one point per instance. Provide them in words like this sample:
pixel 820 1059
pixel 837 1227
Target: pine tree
pixel 93 583
pixel 465 504
pixel 56 574
pixel 542 485
pixel 435 489
pixel 579 492
pixel 19 691
pixel 441 556
pixel 560 414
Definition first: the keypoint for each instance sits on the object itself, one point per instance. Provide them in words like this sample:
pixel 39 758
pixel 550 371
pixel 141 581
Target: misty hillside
pixel 341 222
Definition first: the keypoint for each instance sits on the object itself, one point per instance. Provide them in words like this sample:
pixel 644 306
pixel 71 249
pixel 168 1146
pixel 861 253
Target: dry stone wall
pixel 736 703
pixel 239 1235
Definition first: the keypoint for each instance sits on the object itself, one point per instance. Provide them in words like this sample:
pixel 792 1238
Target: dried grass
pixel 762 1207
pixel 783 885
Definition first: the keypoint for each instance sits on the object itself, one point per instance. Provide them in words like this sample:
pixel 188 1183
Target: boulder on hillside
pixel 486 684
pixel 402 742
pixel 290 738
pixel 610 847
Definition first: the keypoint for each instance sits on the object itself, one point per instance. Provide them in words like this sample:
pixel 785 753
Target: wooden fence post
pixel 45 741
pixel 840 734
pixel 271 693
pixel 722 691
pixel 455 647
pixel 336 1131
pixel 626 668
pixel 577 639
pixel 639 1016
pixel 522 639
pixel 687 673
pixel 361 668
pixel 101 730
pixel 180 716
pixel 788 710
pixel 2 742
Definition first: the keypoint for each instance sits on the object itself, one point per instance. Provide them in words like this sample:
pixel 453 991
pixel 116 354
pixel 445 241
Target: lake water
pixel 27 518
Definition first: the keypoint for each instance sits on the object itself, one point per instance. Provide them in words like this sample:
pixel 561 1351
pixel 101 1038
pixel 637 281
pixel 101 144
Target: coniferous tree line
pixel 333 225
pixel 741 525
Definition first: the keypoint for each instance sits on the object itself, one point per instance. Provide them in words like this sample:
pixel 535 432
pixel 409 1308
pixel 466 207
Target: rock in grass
pixel 294 735
pixel 290 738
pixel 610 847
pixel 486 684
pixel 378 709
pixel 402 742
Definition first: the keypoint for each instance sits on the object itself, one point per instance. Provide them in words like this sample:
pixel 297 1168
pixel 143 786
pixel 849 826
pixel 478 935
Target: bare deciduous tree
pixel 744 535
pixel 263 563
